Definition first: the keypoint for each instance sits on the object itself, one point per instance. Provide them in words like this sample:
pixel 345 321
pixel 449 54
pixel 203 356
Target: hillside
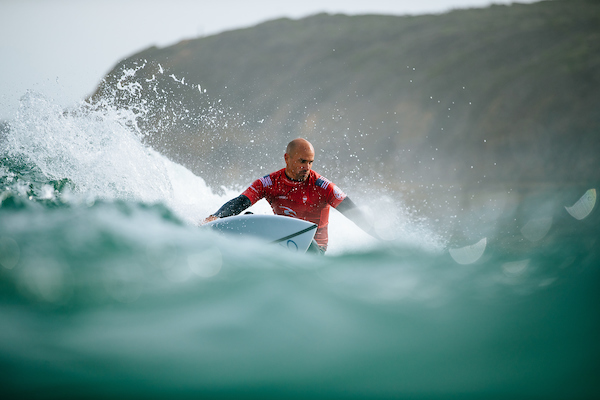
pixel 505 94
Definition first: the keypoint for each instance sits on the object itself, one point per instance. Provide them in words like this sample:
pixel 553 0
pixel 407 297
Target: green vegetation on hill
pixel 495 95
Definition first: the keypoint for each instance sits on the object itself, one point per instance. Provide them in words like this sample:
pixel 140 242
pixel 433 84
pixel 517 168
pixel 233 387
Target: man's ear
pixel 286 157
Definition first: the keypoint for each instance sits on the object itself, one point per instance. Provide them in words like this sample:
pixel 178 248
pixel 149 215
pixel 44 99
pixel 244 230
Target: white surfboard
pixel 291 233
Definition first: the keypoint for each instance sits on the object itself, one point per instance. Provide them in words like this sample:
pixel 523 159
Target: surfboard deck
pixel 291 233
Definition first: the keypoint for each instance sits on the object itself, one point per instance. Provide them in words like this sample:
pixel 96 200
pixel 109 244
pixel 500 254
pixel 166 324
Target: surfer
pixel 297 191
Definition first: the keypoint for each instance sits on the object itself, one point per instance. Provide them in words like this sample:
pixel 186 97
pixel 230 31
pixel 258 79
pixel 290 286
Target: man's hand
pixel 210 218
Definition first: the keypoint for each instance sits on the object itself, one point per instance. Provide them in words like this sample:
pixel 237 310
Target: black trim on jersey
pixel 233 207
pixel 346 205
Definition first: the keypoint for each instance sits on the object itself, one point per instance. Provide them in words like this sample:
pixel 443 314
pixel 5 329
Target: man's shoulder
pixel 329 187
pixel 321 182
pixel 269 179
pixel 314 174
pixel 276 176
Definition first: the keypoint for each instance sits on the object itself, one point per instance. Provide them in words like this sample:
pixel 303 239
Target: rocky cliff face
pixel 483 96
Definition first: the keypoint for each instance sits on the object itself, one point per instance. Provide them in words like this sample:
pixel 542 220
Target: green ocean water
pixel 108 288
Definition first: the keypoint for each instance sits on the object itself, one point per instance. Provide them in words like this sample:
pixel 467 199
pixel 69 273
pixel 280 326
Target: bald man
pixel 297 191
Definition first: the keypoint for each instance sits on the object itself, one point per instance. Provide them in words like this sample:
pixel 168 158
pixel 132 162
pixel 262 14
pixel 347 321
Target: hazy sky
pixel 63 48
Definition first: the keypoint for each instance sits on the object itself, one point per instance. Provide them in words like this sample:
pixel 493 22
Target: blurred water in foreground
pixel 108 289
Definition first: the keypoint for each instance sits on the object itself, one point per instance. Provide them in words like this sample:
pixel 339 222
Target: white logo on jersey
pixel 288 211
pixel 337 192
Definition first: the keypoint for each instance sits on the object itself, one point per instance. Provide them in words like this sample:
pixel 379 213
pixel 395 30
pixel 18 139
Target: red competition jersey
pixel 308 200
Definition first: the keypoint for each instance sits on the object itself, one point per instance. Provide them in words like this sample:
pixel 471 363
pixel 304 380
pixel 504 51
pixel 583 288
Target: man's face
pixel 299 163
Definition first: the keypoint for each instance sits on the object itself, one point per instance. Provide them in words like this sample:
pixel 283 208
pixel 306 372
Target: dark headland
pixel 505 97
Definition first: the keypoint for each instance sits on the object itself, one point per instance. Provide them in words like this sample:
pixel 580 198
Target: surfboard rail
pixel 291 233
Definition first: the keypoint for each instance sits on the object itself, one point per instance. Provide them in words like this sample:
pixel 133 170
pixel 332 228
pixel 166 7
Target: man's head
pixel 299 157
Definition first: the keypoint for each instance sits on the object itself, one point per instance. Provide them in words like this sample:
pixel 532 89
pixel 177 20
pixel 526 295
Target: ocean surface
pixel 110 289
